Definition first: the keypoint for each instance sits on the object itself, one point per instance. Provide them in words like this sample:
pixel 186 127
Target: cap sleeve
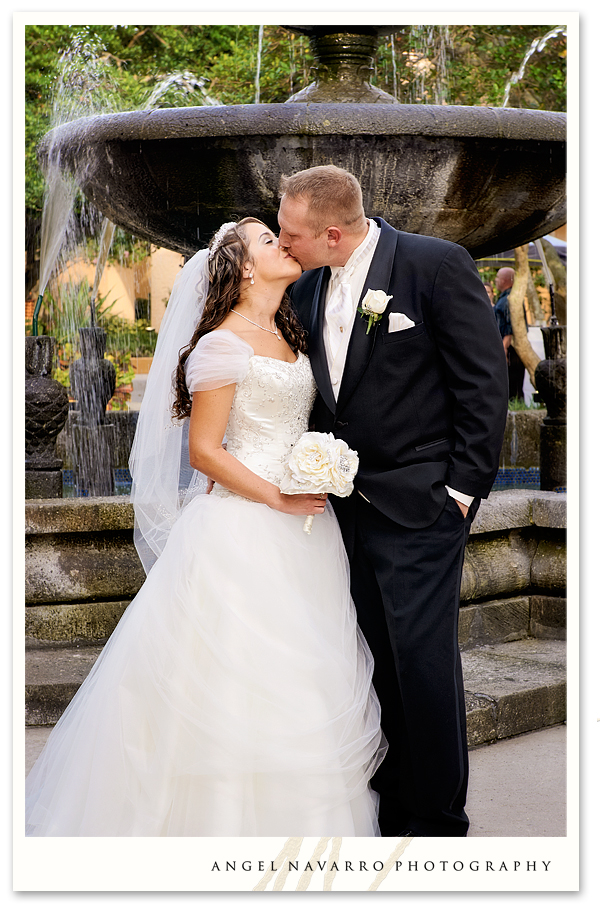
pixel 220 358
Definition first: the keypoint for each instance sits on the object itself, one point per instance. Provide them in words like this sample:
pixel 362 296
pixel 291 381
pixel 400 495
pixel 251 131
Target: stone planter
pixel 46 409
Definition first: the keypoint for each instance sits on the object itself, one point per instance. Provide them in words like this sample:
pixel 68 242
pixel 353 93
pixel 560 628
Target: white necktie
pixel 338 316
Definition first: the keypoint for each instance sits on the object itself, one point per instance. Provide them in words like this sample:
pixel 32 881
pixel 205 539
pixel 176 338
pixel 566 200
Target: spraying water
pixel 82 88
pixel 183 87
pixel 538 44
pixel 85 87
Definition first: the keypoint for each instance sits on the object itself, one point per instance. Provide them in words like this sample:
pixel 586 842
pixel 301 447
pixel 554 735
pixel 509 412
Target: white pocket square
pixel 398 322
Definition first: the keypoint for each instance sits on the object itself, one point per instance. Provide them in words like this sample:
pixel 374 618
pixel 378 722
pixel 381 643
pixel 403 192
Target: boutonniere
pixel 374 305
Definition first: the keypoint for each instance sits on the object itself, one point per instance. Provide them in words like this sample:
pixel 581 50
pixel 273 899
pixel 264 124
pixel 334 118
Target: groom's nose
pixel 283 240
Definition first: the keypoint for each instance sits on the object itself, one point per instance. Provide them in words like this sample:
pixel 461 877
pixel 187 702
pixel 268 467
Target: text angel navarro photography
pixel 415 865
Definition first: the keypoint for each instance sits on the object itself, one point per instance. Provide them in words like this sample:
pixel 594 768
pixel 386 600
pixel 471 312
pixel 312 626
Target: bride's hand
pixel 300 503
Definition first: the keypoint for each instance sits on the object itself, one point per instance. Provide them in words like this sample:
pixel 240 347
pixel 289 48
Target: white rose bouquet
pixel 320 463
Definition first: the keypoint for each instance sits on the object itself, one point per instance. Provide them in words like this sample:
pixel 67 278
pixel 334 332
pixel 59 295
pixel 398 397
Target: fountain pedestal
pixel 344 62
pixel 551 383
pixel 46 410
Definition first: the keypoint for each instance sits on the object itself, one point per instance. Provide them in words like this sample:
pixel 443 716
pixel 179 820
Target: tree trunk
pixel 516 300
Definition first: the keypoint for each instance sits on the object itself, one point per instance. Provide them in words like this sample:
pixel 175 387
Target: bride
pixel 234 697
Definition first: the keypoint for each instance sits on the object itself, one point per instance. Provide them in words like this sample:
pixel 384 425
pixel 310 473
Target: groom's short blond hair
pixel 333 195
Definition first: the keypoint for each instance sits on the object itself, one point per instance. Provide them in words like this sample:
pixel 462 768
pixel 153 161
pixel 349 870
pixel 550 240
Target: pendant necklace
pixel 271 331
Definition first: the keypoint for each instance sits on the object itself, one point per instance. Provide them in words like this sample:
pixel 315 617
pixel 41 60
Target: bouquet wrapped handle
pixel 307 527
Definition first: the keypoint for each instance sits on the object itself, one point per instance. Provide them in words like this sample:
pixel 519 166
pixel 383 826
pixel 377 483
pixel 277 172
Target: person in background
pixel 516 367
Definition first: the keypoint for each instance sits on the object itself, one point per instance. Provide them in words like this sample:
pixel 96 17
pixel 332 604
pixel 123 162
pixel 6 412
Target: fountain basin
pixel 487 178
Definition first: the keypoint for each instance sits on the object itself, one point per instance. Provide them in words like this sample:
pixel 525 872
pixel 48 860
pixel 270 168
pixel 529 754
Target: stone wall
pixel 515 570
pixel 82 569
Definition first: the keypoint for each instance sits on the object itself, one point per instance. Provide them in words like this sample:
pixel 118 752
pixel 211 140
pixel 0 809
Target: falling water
pixel 394 67
pixel 106 237
pixel 427 55
pixel 81 86
pixel 538 44
pixel 258 62
pixel 292 60
pixel 56 214
pixel 514 438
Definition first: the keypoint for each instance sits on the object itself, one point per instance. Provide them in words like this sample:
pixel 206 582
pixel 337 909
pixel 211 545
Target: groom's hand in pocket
pixel 463 508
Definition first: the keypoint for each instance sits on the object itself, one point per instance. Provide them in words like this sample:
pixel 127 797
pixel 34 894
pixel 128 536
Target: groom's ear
pixel 334 235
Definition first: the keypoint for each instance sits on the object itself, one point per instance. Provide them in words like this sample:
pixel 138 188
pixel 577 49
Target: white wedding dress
pixel 234 698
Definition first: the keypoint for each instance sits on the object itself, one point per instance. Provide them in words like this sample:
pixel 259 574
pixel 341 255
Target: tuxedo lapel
pixel 317 353
pixel 361 345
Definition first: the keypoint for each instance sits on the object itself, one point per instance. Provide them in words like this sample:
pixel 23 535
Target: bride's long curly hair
pixel 225 271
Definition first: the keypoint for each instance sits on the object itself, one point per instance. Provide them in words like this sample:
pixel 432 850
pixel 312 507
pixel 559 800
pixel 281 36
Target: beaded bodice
pixel 270 411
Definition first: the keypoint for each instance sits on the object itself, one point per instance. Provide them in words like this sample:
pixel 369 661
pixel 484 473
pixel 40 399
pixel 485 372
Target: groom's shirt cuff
pixel 462 497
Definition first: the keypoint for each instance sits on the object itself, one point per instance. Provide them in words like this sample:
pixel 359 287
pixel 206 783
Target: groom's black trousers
pixel 406 586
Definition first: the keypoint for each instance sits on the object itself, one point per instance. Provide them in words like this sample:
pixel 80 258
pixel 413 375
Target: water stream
pixel 428 52
pixel 81 88
pixel 182 88
pixel 261 29
pixel 537 45
pixel 394 67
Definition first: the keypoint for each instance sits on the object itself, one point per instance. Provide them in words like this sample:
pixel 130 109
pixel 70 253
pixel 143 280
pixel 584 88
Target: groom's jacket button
pixel 340 423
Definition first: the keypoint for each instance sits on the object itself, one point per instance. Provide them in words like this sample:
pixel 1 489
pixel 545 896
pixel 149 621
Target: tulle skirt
pixel 233 699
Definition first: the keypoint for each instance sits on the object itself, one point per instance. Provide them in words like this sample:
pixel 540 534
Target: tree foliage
pixel 471 64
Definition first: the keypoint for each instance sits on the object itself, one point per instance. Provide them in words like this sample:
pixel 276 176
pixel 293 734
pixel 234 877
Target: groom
pixel 422 397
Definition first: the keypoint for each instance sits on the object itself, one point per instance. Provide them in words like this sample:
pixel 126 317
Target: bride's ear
pixel 248 271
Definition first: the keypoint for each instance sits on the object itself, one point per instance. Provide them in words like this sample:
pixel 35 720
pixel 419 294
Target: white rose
pixel 376 301
pixel 311 458
pixel 344 468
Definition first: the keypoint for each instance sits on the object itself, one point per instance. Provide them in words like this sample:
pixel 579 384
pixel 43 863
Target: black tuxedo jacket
pixel 425 406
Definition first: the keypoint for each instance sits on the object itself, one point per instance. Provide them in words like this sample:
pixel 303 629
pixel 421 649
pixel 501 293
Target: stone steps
pixel 511 687
pixel 53 673
pixel 504 619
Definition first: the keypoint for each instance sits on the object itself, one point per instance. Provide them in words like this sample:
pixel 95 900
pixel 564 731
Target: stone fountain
pixel 489 179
